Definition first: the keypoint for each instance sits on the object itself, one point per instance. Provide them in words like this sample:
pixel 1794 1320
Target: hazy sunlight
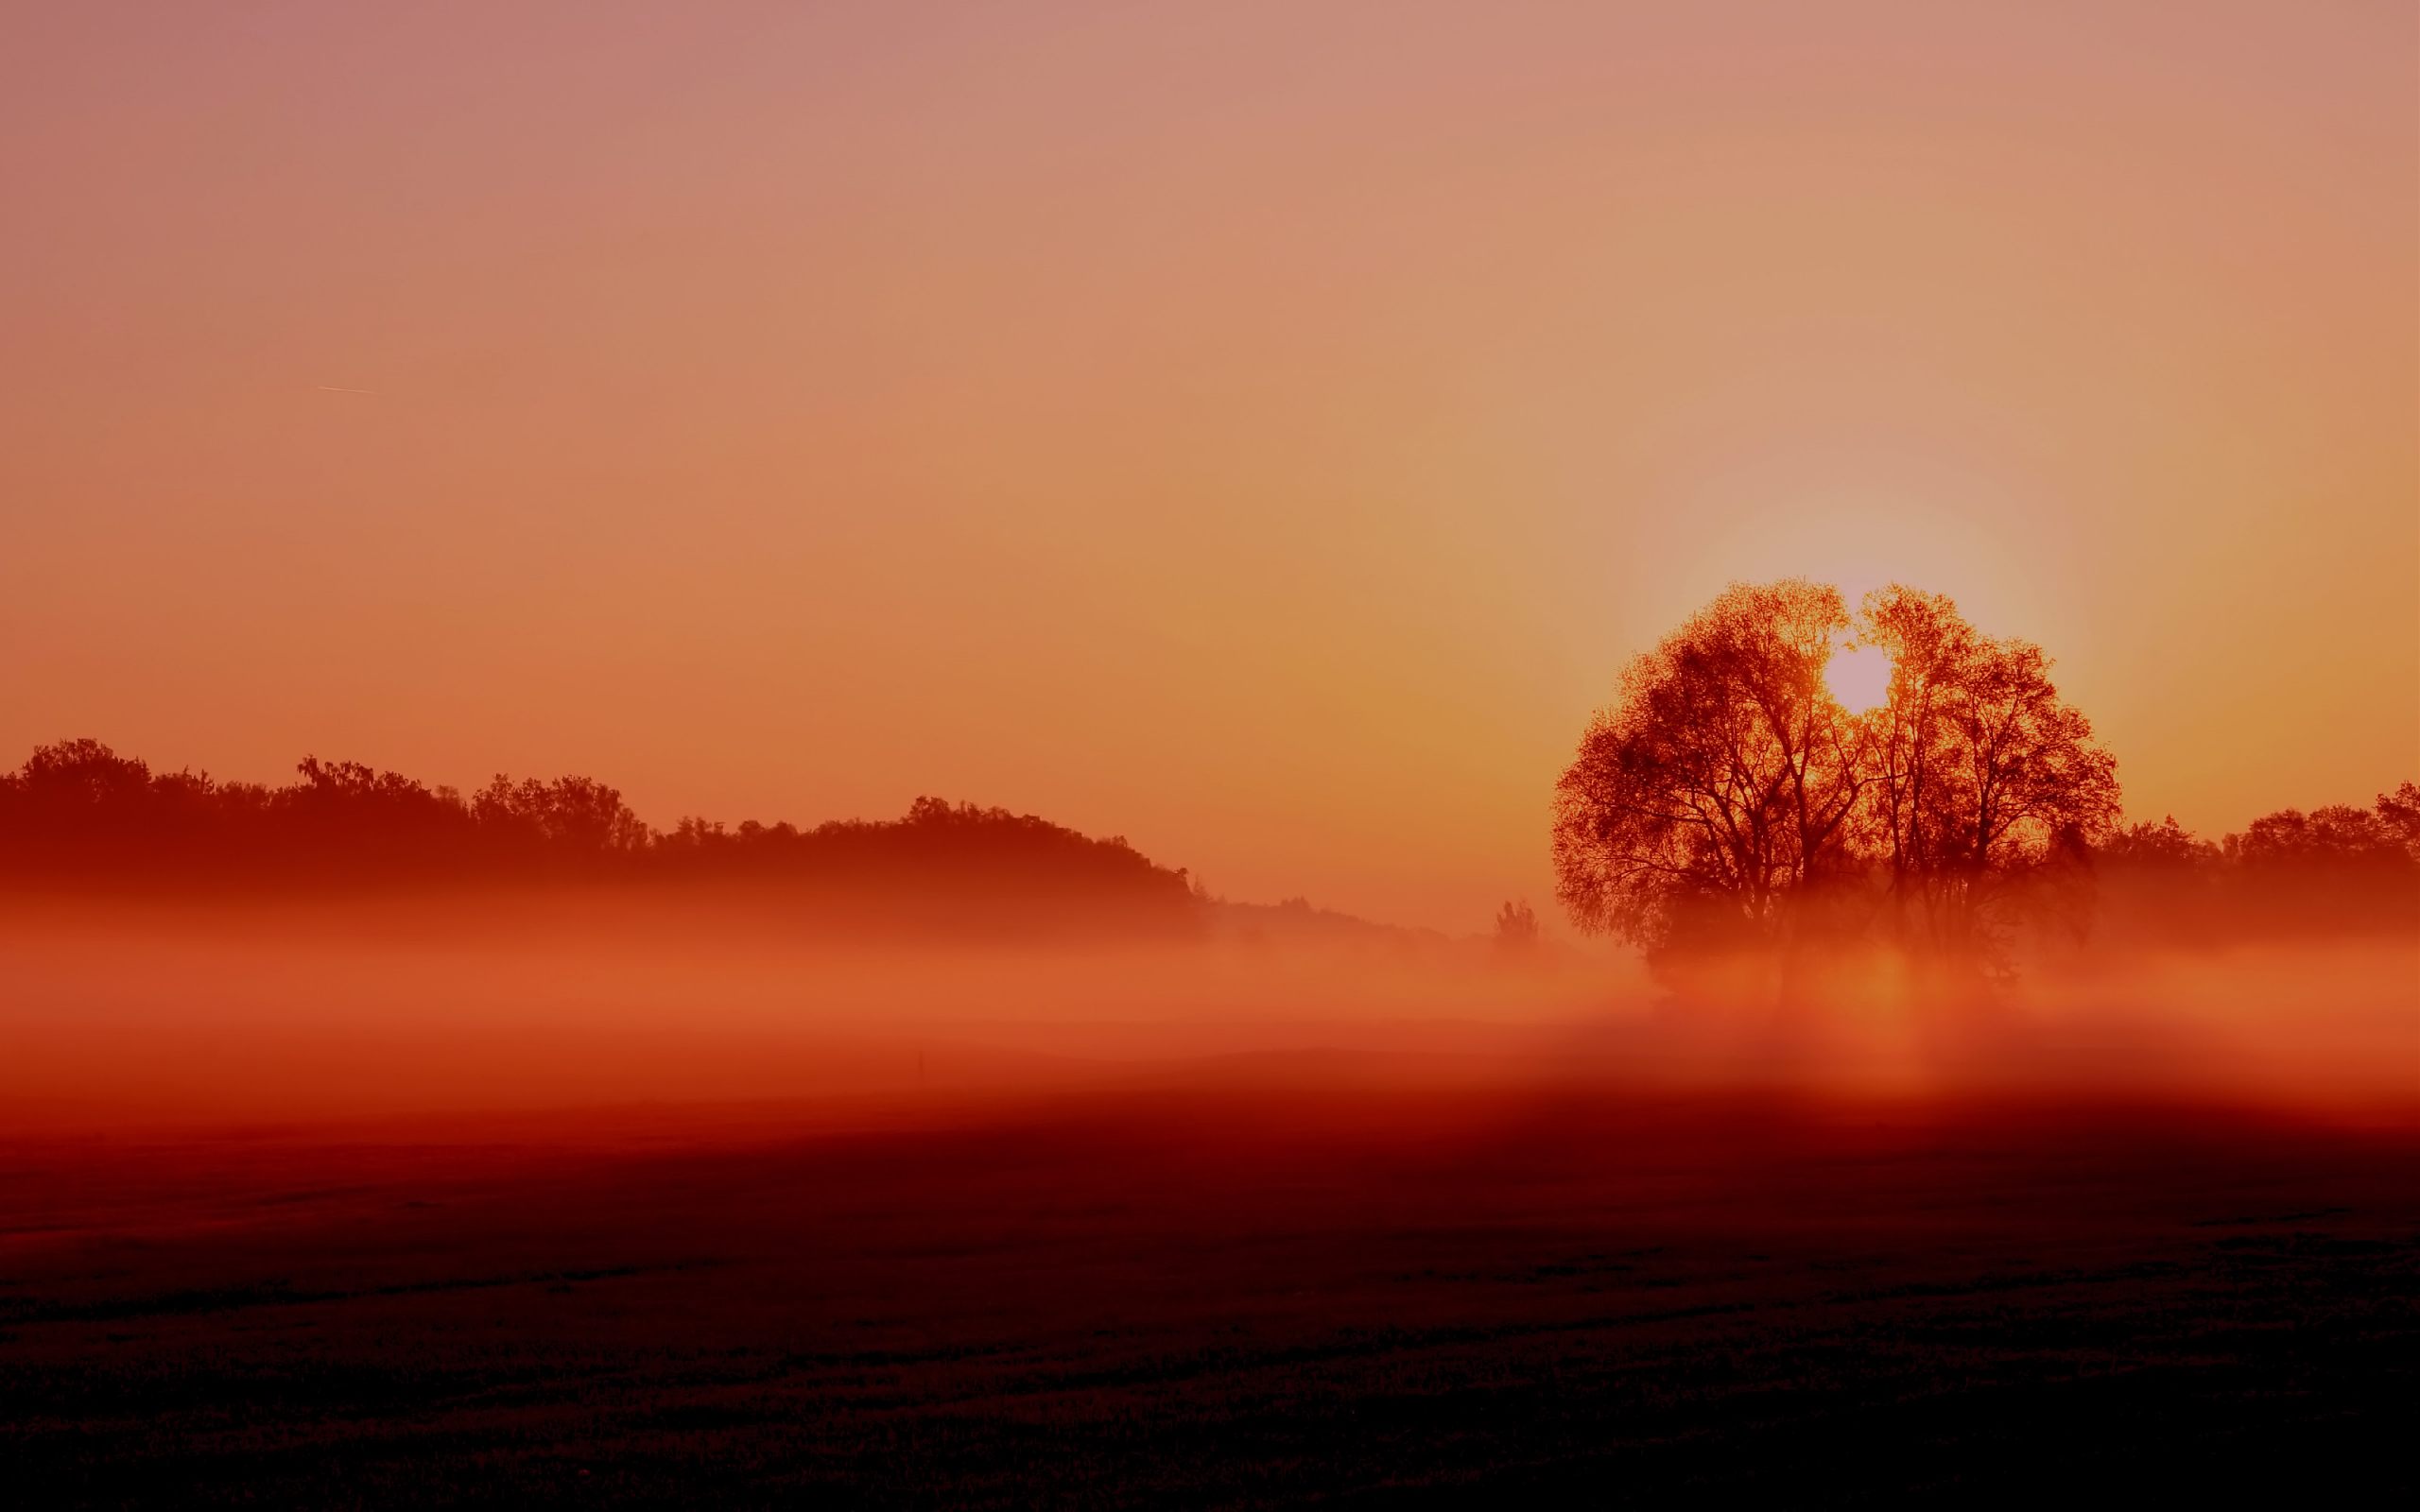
pixel 1859 677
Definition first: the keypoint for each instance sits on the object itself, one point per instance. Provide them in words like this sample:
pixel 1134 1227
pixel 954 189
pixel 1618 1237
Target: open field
pixel 341 1218
pixel 1258 1280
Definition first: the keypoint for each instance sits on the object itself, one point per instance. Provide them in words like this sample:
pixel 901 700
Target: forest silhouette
pixel 79 819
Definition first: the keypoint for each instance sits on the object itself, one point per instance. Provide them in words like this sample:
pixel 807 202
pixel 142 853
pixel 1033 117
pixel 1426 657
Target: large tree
pixel 1727 795
pixel 1716 787
pixel 1988 789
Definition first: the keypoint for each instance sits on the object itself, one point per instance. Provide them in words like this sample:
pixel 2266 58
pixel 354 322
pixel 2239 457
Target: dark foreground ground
pixel 1236 1296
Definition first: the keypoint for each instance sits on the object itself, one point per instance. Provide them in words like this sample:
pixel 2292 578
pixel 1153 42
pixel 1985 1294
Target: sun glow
pixel 1858 677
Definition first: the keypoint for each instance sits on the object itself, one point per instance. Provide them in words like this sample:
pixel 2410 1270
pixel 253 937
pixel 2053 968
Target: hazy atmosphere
pixel 1209 755
pixel 1260 431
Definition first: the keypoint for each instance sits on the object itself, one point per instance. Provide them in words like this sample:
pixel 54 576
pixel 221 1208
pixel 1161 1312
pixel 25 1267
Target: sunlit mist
pixel 924 753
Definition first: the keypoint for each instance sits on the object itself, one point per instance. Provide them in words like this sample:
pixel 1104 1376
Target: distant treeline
pixel 2334 869
pixel 78 817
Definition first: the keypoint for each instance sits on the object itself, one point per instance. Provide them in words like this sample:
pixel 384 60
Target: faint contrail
pixel 331 388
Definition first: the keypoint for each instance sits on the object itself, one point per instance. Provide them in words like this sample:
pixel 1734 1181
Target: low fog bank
pixel 127 1019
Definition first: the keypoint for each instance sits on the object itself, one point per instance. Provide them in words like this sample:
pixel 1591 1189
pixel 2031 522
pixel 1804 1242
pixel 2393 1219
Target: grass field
pixel 1259 1282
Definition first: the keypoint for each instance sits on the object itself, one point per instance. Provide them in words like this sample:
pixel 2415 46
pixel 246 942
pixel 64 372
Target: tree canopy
pixel 1727 797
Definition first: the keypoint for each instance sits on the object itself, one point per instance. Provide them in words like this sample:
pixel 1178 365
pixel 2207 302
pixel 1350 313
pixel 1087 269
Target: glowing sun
pixel 1859 677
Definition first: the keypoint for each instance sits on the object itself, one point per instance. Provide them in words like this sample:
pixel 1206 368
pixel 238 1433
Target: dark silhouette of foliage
pixel 578 815
pixel 1989 792
pixel 976 867
pixel 2338 835
pixel 2399 812
pixel 1516 929
pixel 2334 870
pixel 2166 846
pixel 1717 788
pixel 1728 799
pixel 77 815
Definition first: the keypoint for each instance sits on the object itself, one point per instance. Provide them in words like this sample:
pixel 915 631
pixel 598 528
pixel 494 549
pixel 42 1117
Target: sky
pixel 1260 430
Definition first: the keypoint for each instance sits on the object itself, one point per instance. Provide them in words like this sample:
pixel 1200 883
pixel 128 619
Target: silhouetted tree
pixel 2399 811
pixel 350 819
pixel 1727 797
pixel 1989 791
pixel 79 808
pixel 83 775
pixel 1517 928
pixel 1716 787
pixel 2336 837
pixel 2333 870
pixel 2166 846
pixel 571 815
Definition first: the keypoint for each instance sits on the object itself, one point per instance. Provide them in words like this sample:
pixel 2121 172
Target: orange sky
pixel 1261 430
